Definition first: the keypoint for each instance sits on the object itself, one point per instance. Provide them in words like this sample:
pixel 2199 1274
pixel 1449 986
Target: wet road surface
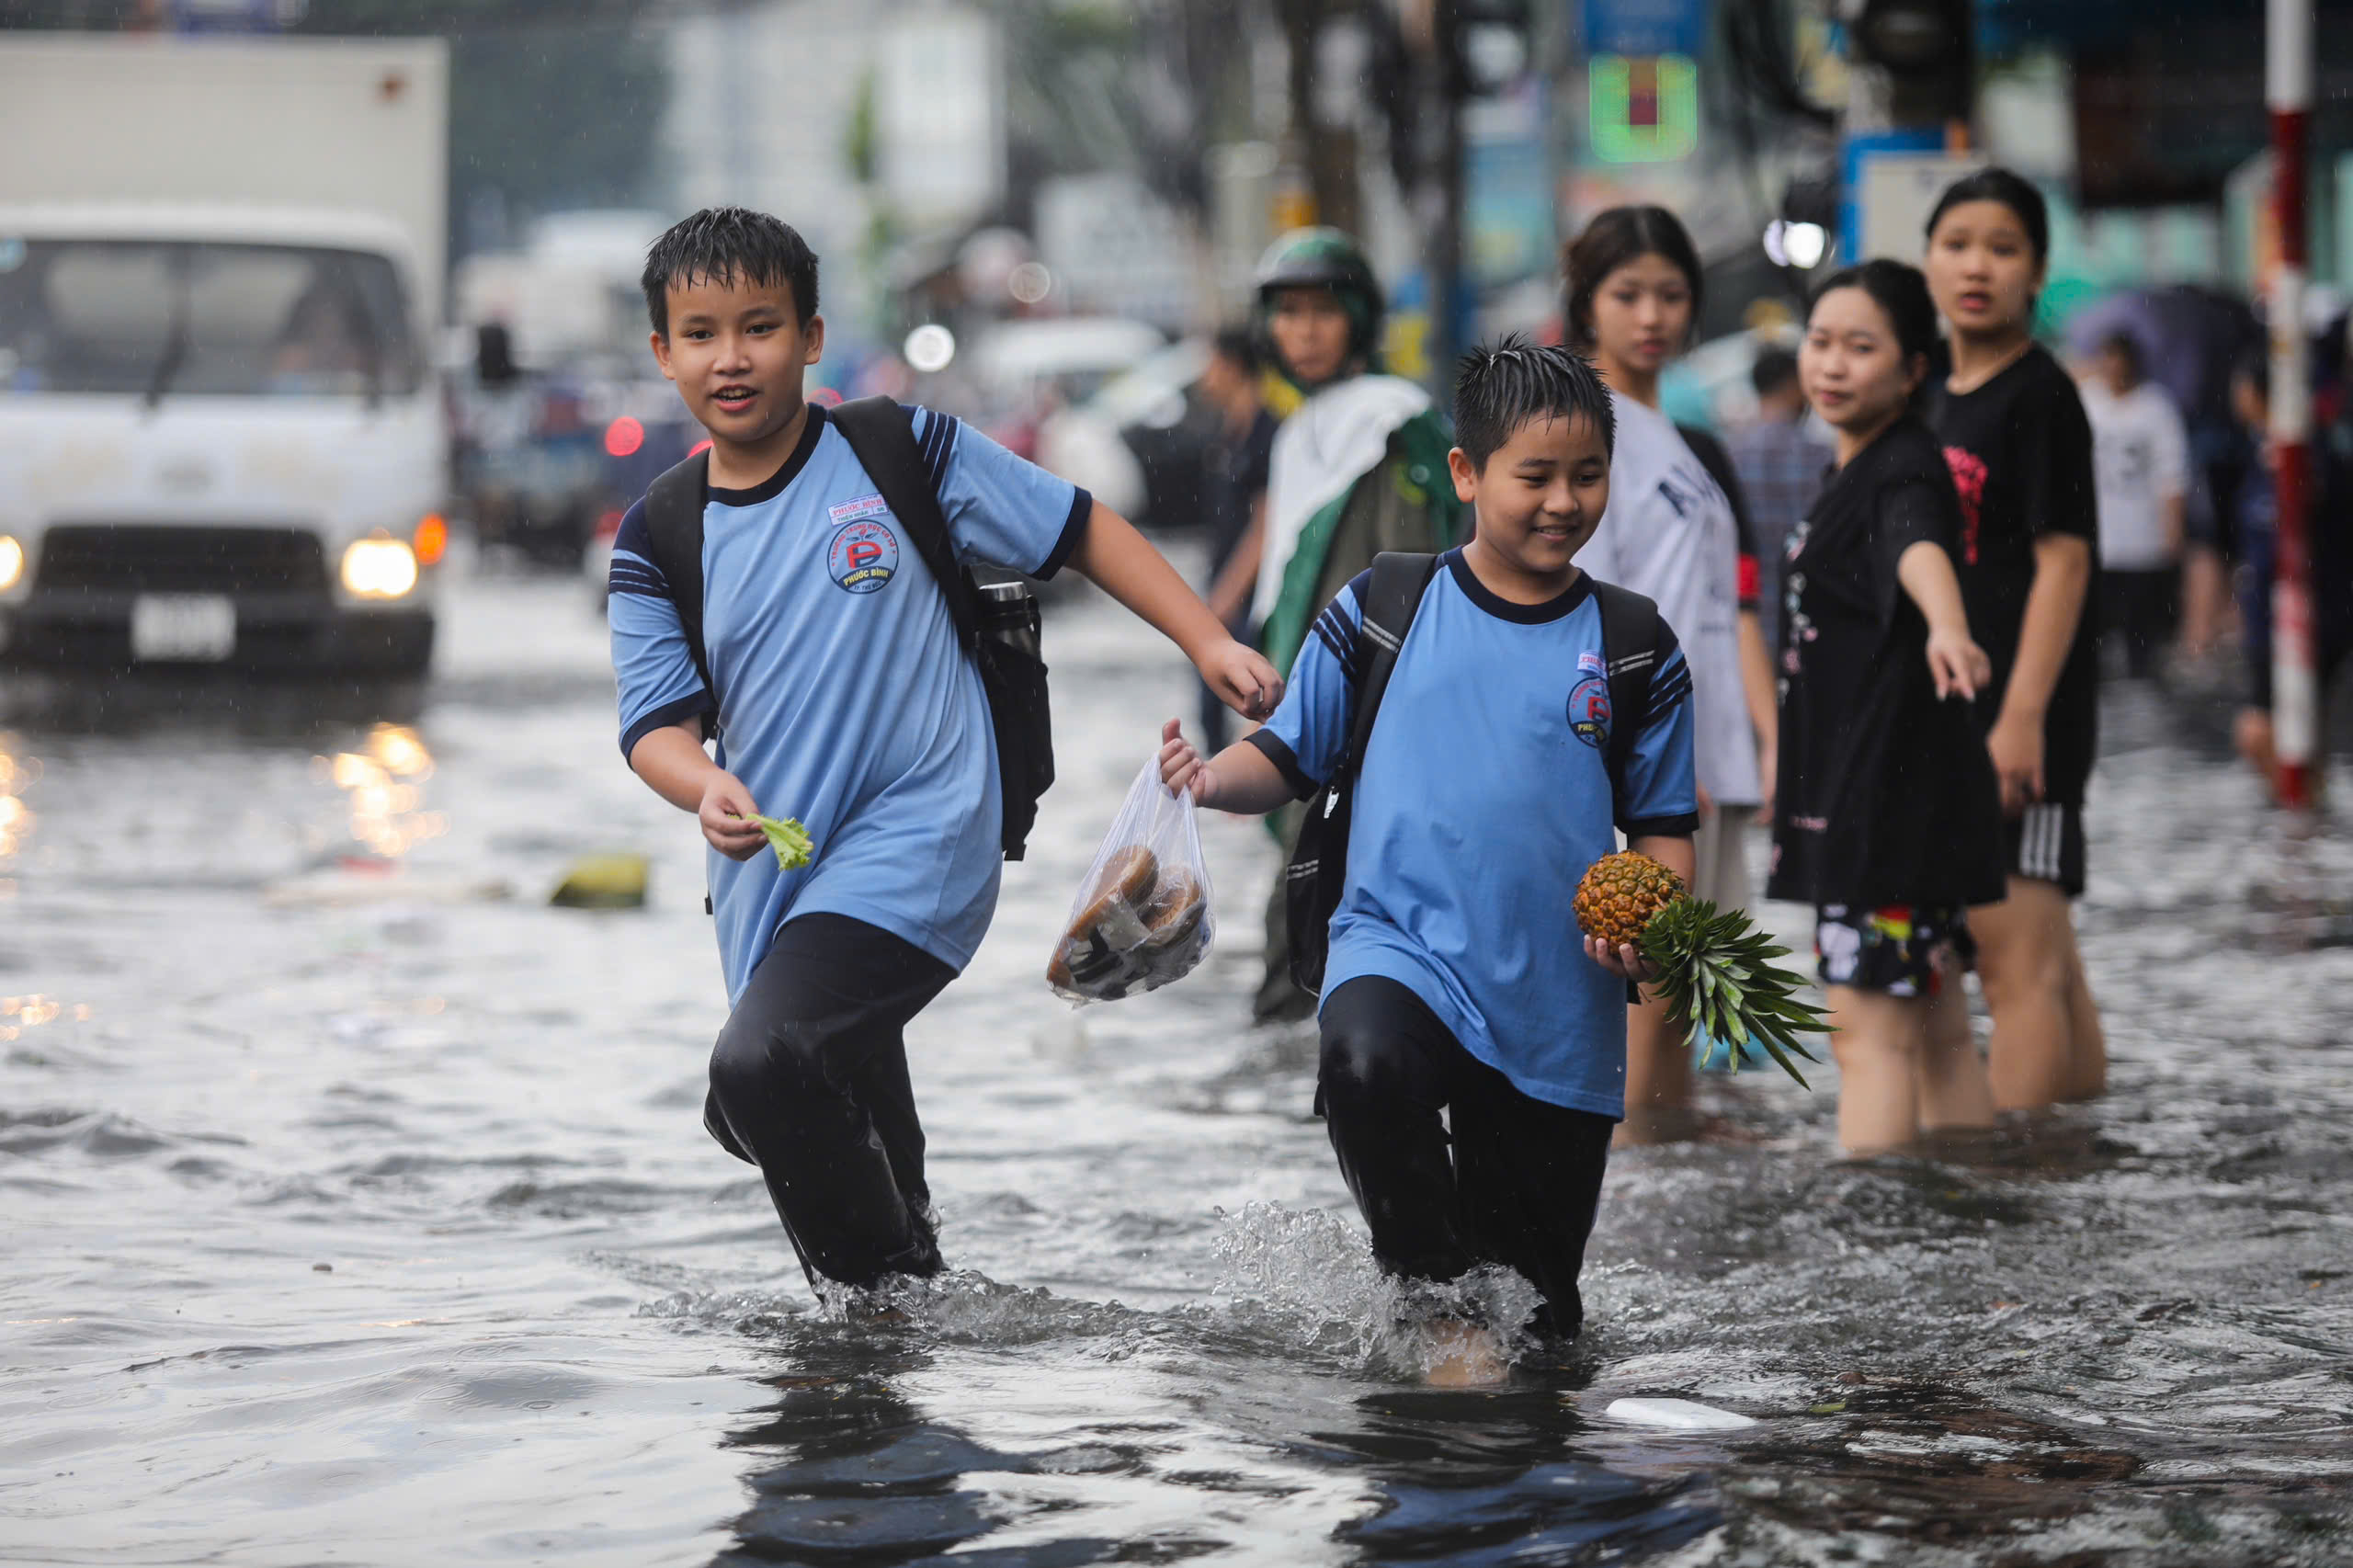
pixel 357 1210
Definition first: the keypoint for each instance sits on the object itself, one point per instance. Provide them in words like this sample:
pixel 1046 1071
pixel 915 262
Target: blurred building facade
pixel 860 124
pixel 1148 149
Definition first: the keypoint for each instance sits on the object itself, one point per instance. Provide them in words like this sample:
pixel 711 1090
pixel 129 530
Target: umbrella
pixel 2189 337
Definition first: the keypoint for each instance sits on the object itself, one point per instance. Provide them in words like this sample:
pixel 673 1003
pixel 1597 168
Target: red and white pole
pixel 2295 687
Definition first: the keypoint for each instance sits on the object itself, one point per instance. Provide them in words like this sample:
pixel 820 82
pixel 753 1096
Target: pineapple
pixel 1715 969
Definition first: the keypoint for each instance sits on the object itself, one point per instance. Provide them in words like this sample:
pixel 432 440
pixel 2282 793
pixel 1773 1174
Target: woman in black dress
pixel 1890 818
pixel 2014 432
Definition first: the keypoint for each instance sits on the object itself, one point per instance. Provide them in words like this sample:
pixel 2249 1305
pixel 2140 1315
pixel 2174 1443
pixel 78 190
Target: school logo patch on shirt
pixel 1589 708
pixel 864 554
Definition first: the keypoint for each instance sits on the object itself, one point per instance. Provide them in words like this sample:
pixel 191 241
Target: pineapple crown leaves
pixel 1717 970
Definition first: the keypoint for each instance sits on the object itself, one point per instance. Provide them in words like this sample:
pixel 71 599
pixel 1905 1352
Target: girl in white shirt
pixel 1675 531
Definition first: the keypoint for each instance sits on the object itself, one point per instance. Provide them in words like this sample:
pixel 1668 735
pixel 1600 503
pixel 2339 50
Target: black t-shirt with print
pixel 1885 794
pixel 2020 453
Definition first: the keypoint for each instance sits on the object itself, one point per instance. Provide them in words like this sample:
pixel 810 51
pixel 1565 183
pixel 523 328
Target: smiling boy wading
pixel 838 692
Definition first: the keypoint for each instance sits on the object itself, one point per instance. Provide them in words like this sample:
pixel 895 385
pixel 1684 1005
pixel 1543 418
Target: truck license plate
pixel 182 628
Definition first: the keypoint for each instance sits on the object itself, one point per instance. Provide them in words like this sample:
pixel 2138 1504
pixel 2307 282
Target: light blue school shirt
pixel 1484 798
pixel 844 696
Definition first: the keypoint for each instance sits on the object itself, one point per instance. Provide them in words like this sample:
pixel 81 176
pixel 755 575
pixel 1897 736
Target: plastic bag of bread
pixel 1141 917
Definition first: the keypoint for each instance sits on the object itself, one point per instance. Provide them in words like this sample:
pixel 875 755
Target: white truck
pixel 221 441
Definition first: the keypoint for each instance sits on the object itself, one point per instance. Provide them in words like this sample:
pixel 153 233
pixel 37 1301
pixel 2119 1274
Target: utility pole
pixel 1442 262
pixel 1321 143
pixel 1472 56
pixel 2295 689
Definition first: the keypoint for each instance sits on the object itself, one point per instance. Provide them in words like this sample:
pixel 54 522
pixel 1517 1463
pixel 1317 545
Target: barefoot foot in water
pixel 1464 1356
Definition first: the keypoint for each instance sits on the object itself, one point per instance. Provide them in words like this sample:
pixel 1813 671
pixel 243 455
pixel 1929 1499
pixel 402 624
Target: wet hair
pixel 729 245
pixel 1775 368
pixel 1238 345
pixel 1614 238
pixel 2009 189
pixel 2126 347
pixel 1900 292
pixel 1501 386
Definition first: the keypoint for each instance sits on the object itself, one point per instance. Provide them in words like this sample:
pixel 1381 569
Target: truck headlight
pixel 12 562
pixel 378 567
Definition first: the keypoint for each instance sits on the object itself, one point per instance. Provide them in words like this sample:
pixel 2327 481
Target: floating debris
pixel 1680 1414
pixel 603 882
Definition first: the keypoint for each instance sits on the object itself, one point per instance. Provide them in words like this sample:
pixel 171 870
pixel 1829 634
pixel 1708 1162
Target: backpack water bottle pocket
pixel 1013 674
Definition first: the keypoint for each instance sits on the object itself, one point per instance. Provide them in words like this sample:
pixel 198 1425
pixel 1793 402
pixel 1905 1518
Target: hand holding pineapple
pixel 1715 969
pixel 1625 961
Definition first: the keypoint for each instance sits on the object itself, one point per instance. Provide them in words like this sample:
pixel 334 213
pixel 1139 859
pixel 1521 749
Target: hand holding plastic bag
pixel 1141 917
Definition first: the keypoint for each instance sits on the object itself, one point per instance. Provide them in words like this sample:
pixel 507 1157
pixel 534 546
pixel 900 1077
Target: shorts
pixel 1899 950
pixel 2046 844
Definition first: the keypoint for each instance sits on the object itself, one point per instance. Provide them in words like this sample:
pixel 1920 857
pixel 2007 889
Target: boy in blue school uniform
pixel 1453 980
pixel 844 698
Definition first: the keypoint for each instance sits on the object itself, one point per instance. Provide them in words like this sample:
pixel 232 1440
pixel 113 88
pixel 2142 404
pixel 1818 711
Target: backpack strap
pixel 1399 580
pixel 880 432
pixel 674 533
pixel 1630 640
pixel 1720 468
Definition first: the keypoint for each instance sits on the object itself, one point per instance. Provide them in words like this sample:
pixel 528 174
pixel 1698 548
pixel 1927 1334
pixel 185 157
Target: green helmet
pixel 1321 259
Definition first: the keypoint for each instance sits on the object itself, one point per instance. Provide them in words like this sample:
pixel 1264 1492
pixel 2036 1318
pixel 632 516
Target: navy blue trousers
pixel 809 1081
pixel 1499 1178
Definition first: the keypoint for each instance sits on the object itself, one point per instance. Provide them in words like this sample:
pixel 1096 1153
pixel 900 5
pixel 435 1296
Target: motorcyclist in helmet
pixel 1357 470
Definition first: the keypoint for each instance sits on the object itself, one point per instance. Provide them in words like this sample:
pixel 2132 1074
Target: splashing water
pixel 1309 1276
pixel 1291 1284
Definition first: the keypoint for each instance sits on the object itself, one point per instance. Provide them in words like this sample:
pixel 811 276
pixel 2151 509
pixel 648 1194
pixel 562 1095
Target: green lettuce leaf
pixel 789 839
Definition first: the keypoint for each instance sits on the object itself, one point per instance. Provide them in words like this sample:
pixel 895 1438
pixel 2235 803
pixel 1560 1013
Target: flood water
pixel 357 1210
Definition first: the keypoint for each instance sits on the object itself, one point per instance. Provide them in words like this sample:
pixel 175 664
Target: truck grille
pixel 143 558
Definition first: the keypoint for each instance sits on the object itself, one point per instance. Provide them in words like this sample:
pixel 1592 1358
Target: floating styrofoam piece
pixel 1682 1415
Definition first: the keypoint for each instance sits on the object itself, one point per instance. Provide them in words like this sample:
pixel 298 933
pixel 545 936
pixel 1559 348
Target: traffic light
pixel 1927 46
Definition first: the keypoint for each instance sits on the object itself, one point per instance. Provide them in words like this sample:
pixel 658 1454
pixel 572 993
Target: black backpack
pixel 996 620
pixel 1319 860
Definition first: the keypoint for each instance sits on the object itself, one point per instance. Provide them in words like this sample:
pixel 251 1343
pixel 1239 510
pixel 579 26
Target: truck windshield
pixel 179 319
